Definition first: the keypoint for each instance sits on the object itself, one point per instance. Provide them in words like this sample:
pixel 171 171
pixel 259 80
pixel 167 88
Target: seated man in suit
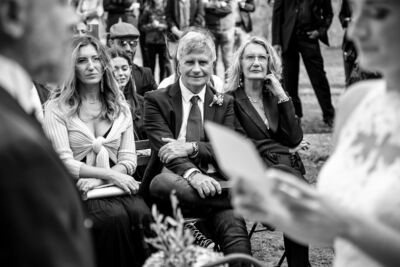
pixel 173 121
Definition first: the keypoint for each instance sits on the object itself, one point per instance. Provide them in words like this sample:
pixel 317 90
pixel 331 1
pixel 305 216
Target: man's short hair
pixel 193 42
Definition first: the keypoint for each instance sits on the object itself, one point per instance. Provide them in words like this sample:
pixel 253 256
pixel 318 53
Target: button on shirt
pixel 186 106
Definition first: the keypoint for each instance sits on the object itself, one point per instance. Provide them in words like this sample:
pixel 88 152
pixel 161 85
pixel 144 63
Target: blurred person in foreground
pixel 90 126
pixel 154 24
pixel 243 22
pixel 42 222
pixel 265 114
pixel 355 207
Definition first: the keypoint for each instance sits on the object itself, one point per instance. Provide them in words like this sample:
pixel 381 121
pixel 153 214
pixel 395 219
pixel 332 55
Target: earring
pixel 102 85
pixel 241 80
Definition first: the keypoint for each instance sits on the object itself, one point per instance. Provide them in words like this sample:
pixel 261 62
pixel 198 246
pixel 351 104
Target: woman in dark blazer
pixel 265 114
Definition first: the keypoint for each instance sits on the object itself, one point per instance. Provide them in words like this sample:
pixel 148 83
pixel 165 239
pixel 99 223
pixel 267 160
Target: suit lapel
pixel 244 103
pixel 209 112
pixel 176 103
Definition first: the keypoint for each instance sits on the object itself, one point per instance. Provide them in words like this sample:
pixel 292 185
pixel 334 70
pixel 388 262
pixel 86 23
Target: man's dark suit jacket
pixel 144 80
pixel 284 132
pixel 245 15
pixel 42 220
pixel 284 20
pixel 172 13
pixel 163 118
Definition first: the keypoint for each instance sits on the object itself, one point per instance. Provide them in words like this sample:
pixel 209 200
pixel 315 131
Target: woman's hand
pixel 86 184
pixel 123 181
pixel 294 207
pixel 274 85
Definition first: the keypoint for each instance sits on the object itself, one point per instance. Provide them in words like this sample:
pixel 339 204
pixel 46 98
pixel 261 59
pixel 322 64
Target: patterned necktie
pixel 194 128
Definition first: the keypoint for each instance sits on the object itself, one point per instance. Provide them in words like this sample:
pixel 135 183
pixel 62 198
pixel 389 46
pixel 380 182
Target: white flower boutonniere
pixel 217 99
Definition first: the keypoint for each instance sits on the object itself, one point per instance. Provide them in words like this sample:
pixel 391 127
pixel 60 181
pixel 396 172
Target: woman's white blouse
pixel 73 141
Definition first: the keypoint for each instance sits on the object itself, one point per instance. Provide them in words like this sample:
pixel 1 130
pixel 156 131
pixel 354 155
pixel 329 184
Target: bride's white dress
pixel 363 173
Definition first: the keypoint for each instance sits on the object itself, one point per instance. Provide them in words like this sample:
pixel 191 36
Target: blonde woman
pixel 265 114
pixel 356 205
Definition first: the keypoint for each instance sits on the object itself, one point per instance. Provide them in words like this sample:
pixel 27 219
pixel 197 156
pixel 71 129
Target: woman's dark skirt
pixel 119 226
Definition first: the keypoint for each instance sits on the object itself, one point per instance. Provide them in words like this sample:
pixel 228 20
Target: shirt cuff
pixel 129 166
pixel 189 172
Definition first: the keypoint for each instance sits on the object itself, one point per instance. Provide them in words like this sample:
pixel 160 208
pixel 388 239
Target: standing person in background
pixel 42 222
pixel 128 11
pixel 181 15
pixel 356 204
pixel 243 24
pixel 91 13
pixel 297 27
pixel 153 22
pixel 126 36
pixel 118 10
pixel 220 21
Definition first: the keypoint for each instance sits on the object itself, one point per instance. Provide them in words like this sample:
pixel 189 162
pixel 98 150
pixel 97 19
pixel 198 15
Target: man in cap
pixel 126 36
pixel 42 221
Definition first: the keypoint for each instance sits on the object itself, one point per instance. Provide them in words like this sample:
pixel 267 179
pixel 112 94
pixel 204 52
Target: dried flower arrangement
pixel 175 243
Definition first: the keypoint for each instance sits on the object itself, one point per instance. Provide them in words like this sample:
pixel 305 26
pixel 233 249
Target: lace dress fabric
pixel 364 171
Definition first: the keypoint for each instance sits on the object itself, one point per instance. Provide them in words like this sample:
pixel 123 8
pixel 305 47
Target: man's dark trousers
pixel 310 52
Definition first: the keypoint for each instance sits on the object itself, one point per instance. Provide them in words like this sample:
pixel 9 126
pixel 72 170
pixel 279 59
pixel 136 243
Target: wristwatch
pixel 190 177
pixel 195 150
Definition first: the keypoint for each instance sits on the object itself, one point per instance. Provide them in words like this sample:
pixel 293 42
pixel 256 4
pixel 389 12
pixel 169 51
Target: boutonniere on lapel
pixel 218 99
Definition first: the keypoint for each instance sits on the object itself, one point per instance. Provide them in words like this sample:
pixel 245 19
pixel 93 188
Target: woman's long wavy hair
pixel 130 89
pixel 235 71
pixel 68 97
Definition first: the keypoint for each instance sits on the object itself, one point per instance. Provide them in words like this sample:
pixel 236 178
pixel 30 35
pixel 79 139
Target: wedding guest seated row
pixel 94 119
pixel 355 205
pixel 265 114
pixel 122 65
pixel 182 158
pixel 90 126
